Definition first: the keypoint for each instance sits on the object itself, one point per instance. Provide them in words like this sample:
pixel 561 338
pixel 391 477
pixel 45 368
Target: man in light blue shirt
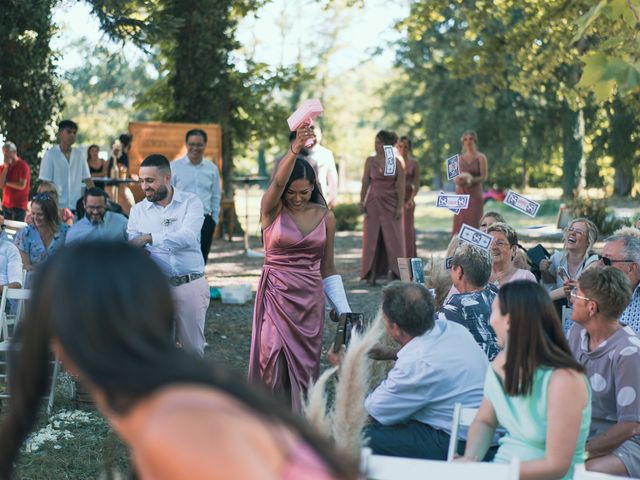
pixel 192 173
pixel 439 364
pixel 98 223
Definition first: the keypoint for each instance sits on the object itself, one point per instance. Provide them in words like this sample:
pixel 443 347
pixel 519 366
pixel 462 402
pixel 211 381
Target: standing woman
pixel 412 184
pixel 180 416
pixel 382 202
pixel 38 241
pixel 97 167
pixel 534 388
pixel 288 316
pixel 473 171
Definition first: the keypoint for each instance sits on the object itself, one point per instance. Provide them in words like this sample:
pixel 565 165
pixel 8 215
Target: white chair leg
pixel 52 391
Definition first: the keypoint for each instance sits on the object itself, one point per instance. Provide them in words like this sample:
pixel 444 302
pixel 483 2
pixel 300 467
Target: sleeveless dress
pixel 409 227
pixel 288 314
pixel 472 215
pixel 380 225
pixel 525 419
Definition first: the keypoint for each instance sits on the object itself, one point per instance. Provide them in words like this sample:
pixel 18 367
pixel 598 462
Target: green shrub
pixel 347 216
pixel 597 210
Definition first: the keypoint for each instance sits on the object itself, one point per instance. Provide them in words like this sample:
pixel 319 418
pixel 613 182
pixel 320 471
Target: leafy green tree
pixel 29 90
pixel 100 94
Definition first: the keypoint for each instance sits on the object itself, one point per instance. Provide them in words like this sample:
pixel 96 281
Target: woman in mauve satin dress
pixel 382 203
pixel 298 233
pixel 180 415
pixel 473 171
pixel 412 185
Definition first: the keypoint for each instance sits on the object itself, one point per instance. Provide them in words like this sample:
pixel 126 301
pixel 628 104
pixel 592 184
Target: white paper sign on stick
pixel 389 161
pixel 453 167
pixel 521 203
pixel 452 201
pixel 475 237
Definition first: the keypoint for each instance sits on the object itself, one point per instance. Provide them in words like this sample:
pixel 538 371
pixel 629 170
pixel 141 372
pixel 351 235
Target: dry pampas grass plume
pixel 315 406
pixel 345 420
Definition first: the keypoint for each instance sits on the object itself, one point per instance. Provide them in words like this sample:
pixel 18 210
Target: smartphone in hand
pixel 346 323
pixel 564 275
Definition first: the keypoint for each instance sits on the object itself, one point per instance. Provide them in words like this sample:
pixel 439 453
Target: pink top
pixel 187 432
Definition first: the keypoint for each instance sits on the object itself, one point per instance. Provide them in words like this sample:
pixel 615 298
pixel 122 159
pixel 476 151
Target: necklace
pixel 504 274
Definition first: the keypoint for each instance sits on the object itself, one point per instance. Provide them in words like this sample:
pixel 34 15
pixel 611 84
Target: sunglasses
pixel 608 261
pixel 42 196
pixel 574 294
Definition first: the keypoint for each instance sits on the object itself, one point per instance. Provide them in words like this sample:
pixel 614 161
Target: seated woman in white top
pixel 503 249
pixel 579 237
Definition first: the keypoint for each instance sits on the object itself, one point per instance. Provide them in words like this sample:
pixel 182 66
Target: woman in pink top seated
pixel 503 249
pixel 181 417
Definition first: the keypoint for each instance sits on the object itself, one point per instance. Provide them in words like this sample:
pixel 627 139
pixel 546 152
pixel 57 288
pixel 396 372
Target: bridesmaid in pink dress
pixel 288 316
pixel 473 168
pixel 382 202
pixel 412 185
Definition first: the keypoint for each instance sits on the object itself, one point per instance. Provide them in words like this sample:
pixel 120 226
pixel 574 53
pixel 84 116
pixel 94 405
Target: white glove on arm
pixel 335 295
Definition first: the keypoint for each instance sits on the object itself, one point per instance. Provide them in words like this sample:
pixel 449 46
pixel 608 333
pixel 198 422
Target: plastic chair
pixel 461 416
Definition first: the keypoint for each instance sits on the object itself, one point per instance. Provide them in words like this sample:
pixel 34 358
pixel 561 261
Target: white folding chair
pixel 462 416
pixel 8 323
pixel 11 227
pixel 379 467
pixel 19 295
pixel 581 473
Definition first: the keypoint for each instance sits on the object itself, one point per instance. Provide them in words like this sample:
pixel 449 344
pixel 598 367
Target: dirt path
pixel 228 327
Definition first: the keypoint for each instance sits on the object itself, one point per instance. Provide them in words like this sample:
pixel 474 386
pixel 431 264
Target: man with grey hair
pixel 15 176
pixel 471 307
pixel 622 252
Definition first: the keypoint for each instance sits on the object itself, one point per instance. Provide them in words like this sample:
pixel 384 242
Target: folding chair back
pixel 462 416
pixel 11 227
pixel 19 295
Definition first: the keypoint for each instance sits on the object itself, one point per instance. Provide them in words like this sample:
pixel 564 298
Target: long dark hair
pixel 116 328
pixel 303 169
pixel 535 335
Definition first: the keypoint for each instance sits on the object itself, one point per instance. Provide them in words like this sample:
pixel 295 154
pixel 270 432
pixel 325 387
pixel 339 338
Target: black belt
pixel 182 279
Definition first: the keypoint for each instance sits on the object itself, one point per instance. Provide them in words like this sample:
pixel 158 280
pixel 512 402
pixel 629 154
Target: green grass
pixel 72 444
pixel 428 217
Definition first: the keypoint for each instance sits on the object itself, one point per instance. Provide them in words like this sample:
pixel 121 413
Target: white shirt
pixel 322 161
pixel 202 179
pixel 175 232
pixel 432 373
pixel 67 175
pixel 113 228
pixel 10 263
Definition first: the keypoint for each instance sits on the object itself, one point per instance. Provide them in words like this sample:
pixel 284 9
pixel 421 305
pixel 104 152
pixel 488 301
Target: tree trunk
pixel 622 147
pixel 573 168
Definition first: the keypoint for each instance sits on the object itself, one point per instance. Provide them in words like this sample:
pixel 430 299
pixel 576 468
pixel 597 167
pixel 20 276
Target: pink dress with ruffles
pixel 288 315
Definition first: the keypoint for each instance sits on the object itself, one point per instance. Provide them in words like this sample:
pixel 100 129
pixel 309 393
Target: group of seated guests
pixel 562 398
pixel 50 227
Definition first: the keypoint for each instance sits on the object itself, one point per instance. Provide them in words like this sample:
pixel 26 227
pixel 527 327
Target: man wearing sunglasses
pixel 623 253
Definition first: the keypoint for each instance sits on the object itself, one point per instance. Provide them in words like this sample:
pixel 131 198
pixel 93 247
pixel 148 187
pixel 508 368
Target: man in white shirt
pixel 323 163
pixel 192 173
pixel 438 365
pixel 98 223
pixel 66 167
pixel 167 224
pixel 10 265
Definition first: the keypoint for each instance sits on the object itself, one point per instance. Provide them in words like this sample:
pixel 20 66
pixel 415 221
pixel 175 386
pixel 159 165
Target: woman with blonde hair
pixel 562 270
pixel 473 171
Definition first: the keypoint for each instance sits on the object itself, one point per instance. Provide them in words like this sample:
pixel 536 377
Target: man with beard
pixel 167 224
pixel 98 223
